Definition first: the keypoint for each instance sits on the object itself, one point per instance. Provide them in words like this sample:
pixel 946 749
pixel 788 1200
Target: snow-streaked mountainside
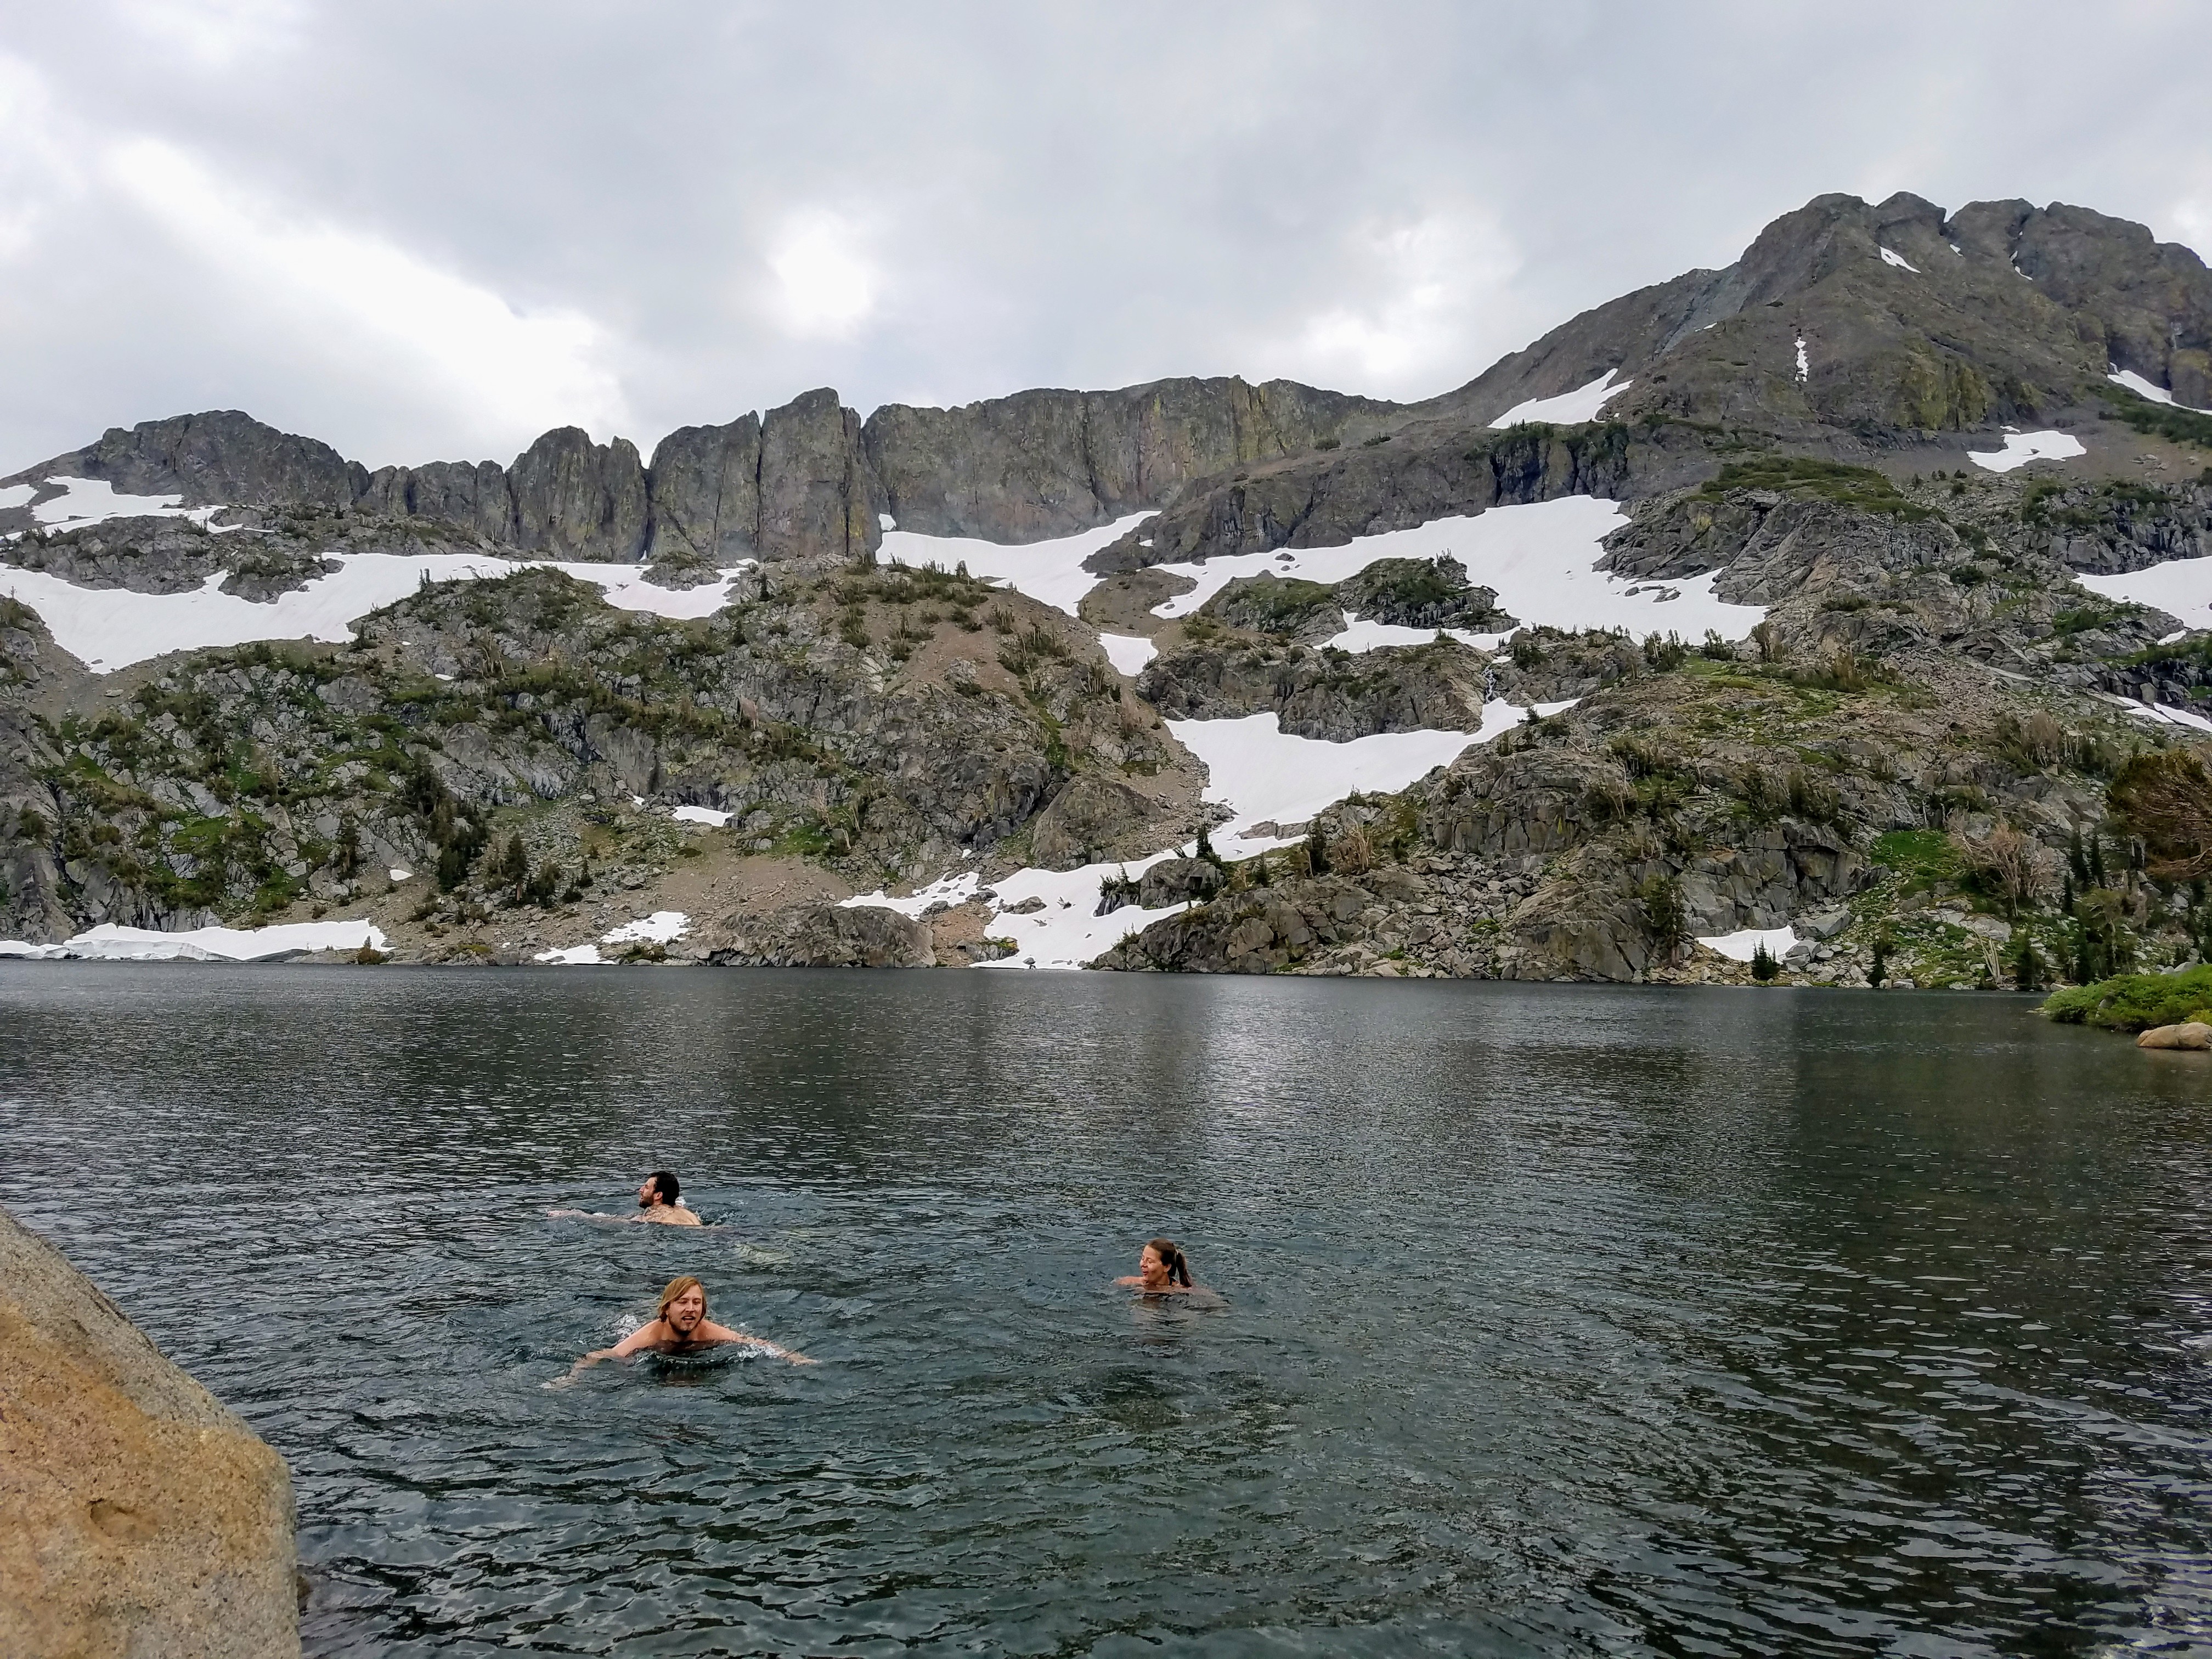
pixel 1817 601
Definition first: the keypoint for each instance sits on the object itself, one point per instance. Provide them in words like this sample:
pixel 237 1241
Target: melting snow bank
pixel 2160 714
pixel 1050 572
pixel 1539 558
pixel 1742 946
pixel 1258 769
pixel 1568 408
pixel 661 928
pixel 109 943
pixel 2180 586
pixel 86 501
pixel 2021 447
pixel 706 815
pixel 110 627
pixel 1128 653
pixel 2157 394
pixel 1265 773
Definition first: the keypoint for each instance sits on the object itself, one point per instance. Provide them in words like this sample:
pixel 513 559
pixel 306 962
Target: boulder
pixel 1085 821
pixel 2194 1034
pixel 821 935
pixel 142 1518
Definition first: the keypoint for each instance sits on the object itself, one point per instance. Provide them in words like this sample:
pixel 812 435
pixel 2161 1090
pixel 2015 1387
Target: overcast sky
pixel 426 231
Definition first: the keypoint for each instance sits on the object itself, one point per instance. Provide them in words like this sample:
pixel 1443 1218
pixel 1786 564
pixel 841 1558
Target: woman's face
pixel 686 1311
pixel 1150 1268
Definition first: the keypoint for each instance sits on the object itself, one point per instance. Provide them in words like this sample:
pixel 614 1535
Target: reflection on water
pixel 1556 1321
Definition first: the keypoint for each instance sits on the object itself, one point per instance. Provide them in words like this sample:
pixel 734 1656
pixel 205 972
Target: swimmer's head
pixel 1163 1262
pixel 683 1306
pixel 658 1187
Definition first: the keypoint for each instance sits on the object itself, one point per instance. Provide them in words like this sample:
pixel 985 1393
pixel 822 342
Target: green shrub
pixel 1858 487
pixel 2134 1002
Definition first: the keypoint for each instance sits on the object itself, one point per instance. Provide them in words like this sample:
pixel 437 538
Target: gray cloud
pixel 421 231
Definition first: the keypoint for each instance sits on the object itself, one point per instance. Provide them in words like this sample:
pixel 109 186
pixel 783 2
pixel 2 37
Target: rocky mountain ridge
pixel 490 767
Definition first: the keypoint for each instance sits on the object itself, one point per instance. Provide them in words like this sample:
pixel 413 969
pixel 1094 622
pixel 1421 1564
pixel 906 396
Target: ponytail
pixel 1178 1264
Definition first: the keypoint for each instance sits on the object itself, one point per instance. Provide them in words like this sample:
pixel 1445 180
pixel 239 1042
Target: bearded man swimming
pixel 658 1199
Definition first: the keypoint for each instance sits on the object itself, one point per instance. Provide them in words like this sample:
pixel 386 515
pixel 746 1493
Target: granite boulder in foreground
pixel 138 1516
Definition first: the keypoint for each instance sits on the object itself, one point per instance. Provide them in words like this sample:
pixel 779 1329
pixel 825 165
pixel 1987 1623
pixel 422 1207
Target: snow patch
pixel 1128 653
pixel 661 928
pixel 87 501
pixel 17 495
pixel 1254 767
pixel 2180 586
pixel 1568 408
pixel 110 627
pixel 706 815
pixel 1898 260
pixel 884 521
pixel 398 873
pixel 2157 394
pixel 2160 713
pixel 109 943
pixel 1263 773
pixel 1049 572
pixel 1539 558
pixel 1744 945
pixel 1804 367
pixel 2021 447
pixel 947 889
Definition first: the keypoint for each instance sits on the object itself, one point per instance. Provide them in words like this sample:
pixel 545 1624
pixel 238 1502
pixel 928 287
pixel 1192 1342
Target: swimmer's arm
pixel 724 1334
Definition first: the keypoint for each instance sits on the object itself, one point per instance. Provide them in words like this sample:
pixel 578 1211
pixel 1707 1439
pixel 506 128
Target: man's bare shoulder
pixel 669 1215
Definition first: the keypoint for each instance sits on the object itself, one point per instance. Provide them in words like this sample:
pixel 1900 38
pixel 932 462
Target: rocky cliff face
pixel 141 1517
pixel 1046 463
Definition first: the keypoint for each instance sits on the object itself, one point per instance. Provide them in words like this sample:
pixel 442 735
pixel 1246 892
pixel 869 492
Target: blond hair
pixel 677 1287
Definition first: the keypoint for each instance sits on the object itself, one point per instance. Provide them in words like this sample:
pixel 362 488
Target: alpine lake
pixel 1550 1320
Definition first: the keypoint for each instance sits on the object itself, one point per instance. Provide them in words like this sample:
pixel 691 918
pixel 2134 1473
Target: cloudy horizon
pixel 428 233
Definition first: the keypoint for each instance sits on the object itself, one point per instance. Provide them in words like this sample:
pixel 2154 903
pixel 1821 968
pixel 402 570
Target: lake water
pixel 1556 1321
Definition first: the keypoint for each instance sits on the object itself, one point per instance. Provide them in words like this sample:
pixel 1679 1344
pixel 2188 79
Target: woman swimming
pixel 680 1326
pixel 1161 1270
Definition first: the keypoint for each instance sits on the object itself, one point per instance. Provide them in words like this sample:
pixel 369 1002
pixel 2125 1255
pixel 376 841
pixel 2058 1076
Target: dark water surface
pixel 1558 1321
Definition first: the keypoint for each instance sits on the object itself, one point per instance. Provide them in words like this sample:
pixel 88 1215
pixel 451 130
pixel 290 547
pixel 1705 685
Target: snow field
pixel 2141 388
pixel 2021 447
pixel 661 928
pixel 86 501
pixel 110 627
pixel 1744 945
pixel 1265 773
pixel 2160 714
pixel 1128 653
pixel 1539 558
pixel 1568 408
pixel 1051 572
pixel 2181 586
pixel 1898 260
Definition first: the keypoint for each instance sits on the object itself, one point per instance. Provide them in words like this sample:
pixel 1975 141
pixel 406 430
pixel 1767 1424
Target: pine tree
pixel 2026 967
pixel 2097 861
pixel 1764 967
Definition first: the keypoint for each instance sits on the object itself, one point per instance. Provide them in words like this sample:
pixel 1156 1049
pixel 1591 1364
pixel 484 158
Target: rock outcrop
pixel 1050 463
pixel 2193 1035
pixel 821 935
pixel 141 1518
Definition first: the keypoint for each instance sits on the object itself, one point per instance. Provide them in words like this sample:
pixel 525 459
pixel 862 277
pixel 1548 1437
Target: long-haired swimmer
pixel 1161 1270
pixel 680 1326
